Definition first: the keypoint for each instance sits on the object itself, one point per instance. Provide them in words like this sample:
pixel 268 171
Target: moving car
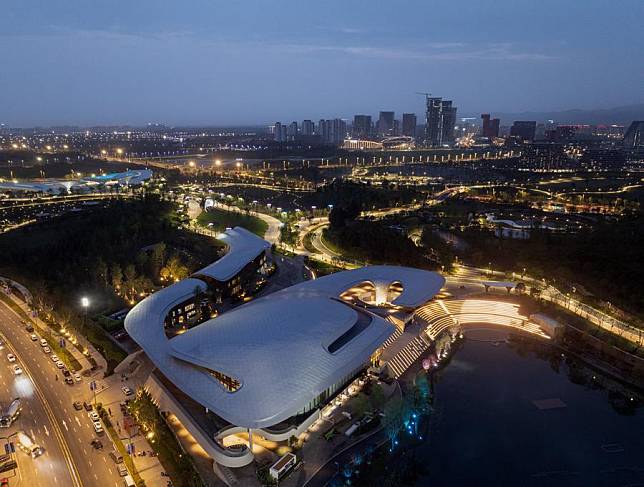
pixel 96 443
pixel 28 445
pixel 11 357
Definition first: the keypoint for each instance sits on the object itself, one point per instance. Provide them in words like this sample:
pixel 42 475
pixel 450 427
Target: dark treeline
pixel 607 260
pixel 77 253
pixel 376 243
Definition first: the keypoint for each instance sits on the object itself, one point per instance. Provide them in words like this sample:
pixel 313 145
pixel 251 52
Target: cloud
pixel 446 51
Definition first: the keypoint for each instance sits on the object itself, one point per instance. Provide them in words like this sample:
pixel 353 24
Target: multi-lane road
pixel 48 416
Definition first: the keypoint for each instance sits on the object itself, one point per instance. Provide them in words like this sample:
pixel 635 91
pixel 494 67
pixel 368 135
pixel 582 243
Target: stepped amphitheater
pixel 437 316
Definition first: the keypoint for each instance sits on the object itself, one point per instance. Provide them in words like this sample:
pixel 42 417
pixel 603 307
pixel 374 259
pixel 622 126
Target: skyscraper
pixel 409 124
pixel 332 131
pixel 490 127
pixel 362 127
pixel 440 118
pixel 523 129
pixel 385 124
pixel 292 131
pixel 307 127
pixel 279 132
pixel 634 136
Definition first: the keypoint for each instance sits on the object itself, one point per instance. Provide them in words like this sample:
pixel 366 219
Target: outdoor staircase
pixel 407 356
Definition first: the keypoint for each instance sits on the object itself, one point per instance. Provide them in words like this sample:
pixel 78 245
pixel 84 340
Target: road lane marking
pixel 65 425
pixel 46 430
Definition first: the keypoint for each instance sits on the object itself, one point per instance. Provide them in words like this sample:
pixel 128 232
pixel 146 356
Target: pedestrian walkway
pixel 112 396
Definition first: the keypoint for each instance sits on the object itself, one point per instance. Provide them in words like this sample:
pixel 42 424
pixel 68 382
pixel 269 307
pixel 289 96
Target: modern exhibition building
pixel 88 184
pixel 267 367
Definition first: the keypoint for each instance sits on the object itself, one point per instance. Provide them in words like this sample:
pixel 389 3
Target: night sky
pixel 256 61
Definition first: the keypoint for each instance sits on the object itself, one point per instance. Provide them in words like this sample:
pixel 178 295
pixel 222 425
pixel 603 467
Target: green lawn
pixel 222 219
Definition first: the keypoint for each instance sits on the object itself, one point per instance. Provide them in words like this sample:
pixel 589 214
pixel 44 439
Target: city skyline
pixel 253 64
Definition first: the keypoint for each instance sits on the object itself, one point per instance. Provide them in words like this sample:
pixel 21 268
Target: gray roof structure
pixel 284 349
pixel 243 247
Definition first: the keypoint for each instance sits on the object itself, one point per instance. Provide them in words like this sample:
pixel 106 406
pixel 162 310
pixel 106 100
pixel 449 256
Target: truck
pixel 29 446
pixel 10 414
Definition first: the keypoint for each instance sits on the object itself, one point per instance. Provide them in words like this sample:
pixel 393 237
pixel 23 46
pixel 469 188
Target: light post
pixel 85 305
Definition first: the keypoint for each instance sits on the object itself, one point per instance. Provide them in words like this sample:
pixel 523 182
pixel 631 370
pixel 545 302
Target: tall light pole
pixel 85 305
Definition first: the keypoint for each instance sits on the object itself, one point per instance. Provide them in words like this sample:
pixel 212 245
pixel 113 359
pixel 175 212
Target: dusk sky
pixel 256 61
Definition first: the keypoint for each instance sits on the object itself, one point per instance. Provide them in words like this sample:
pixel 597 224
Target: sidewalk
pixel 111 396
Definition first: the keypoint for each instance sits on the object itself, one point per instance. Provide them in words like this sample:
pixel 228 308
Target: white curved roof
pixel 277 346
pixel 243 247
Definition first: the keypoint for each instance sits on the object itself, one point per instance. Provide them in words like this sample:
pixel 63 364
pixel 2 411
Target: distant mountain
pixel 623 115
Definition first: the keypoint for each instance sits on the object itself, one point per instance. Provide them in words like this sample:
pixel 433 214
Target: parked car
pixel 126 390
pixel 98 427
pixel 78 405
pixel 46 349
pixel 96 443
pixel 77 377
pixel 54 358
pixel 60 364
pixel 69 381
pixel 17 370
pixel 34 337
pixel 94 416
pixel 87 406
pixel 11 357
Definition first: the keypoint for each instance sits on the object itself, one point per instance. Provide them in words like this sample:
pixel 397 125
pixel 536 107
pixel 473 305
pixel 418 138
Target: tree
pixel 377 397
pixel 101 272
pixel 360 405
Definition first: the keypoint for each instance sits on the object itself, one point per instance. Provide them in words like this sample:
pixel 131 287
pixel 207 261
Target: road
pixel 64 432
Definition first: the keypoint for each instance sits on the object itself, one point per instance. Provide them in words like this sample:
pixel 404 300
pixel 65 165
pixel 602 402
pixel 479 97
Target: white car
pixel 54 358
pixel 46 349
pixel 33 337
pixel 11 357
pixel 126 390
pixel 43 342
pixel 77 377
pixel 17 370
pixel 60 365
pixel 93 415
pixel 98 427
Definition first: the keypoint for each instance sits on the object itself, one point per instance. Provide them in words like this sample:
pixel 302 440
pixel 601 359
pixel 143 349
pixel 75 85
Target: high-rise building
pixel 634 136
pixel 386 124
pixel 308 127
pixel 332 131
pixel 524 129
pixel 292 131
pixel 409 124
pixel 362 127
pixel 490 128
pixel 440 118
pixel 279 132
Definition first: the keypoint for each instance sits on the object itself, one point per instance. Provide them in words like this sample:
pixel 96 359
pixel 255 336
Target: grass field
pixel 222 219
